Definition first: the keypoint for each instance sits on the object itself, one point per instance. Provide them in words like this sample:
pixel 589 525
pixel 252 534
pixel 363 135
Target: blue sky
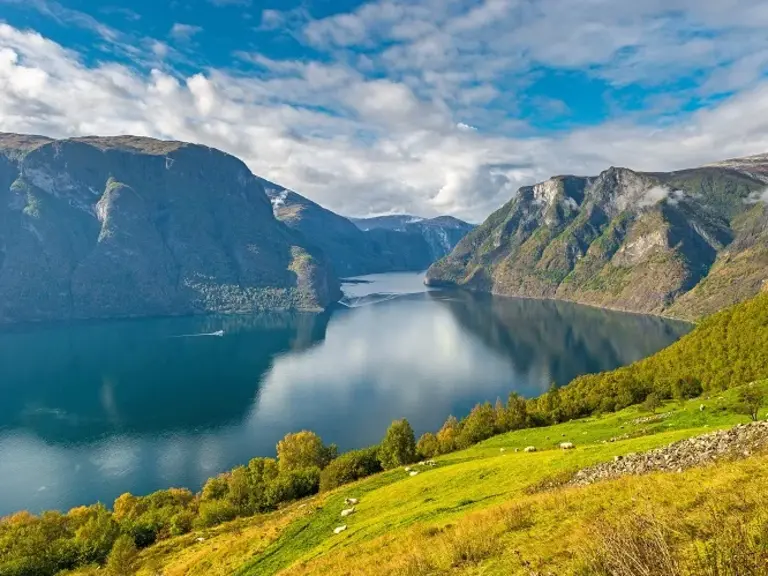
pixel 421 106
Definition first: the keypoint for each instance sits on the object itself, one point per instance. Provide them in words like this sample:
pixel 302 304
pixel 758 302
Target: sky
pixel 399 106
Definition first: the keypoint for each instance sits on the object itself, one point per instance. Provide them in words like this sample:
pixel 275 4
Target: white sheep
pixel 530 449
pixel 347 512
pixel 340 529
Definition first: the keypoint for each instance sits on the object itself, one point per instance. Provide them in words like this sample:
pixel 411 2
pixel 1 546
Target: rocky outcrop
pixel 683 243
pixel 127 226
pixel 738 442
pixel 355 248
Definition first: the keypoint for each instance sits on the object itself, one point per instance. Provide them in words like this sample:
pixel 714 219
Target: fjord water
pixel 91 410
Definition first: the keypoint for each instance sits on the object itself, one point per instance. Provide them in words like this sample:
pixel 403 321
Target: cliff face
pixel 125 226
pixel 357 249
pixel 683 243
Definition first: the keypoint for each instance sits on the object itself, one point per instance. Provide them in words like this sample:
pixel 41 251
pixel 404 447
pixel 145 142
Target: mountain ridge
pixel 682 244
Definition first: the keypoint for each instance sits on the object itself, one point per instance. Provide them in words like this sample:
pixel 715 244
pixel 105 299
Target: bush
pixel 350 467
pixel 292 485
pixel 215 512
pixel 399 445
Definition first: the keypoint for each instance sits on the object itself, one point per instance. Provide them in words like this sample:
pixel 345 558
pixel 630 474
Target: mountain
pixel 126 226
pixel 441 233
pixel 355 249
pixel 682 243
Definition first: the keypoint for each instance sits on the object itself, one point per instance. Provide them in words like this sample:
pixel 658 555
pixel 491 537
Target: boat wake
pixel 217 333
pixel 368 299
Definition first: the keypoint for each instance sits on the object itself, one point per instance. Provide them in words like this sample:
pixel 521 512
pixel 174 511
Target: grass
pixel 476 512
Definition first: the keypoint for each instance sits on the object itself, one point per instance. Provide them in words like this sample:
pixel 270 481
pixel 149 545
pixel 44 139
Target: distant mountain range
pixel 358 246
pixel 127 226
pixel 683 243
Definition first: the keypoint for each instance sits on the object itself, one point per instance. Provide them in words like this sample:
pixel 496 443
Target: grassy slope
pixel 402 524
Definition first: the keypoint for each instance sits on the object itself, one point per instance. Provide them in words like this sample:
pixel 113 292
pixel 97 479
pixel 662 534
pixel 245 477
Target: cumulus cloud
pixel 420 122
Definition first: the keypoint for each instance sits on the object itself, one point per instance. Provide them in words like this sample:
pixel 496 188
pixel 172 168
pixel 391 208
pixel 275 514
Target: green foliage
pixel 399 445
pixel 349 467
pixel 428 446
pixel 446 436
pixel 479 425
pixel 303 450
pixel 751 399
pixel 214 512
pixel 652 403
pixel 123 557
pixel 686 388
pixel 292 486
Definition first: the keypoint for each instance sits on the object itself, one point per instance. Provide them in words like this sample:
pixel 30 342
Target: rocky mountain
pixel 682 243
pixel 356 248
pixel 126 226
pixel 441 233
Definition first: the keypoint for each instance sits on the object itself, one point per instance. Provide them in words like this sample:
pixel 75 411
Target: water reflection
pixel 92 410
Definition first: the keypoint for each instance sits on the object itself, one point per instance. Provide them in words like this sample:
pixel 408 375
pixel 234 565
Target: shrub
pixel 399 445
pixel 636 546
pixel 292 486
pixel 350 467
pixel 215 512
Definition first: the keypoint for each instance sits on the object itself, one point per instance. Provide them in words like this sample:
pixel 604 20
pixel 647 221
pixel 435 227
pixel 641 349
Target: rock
pixel 339 529
pixel 739 442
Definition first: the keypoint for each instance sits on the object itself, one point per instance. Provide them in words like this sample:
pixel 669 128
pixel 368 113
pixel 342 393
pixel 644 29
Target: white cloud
pixel 184 31
pixel 405 127
pixel 756 197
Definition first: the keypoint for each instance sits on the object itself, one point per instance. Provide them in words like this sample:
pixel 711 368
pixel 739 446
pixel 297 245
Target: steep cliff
pixel 683 243
pixel 127 226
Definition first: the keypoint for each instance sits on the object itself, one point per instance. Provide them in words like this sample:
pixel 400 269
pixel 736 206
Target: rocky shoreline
pixel 738 442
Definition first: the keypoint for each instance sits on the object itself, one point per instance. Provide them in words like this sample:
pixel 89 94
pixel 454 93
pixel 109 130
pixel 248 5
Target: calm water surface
pixel 89 411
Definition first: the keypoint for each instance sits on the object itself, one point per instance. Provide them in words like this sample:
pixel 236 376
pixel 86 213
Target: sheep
pixel 502 449
pixel 347 512
pixel 407 468
pixel 339 529
pixel 530 449
pixel 567 445
pixel 351 501
pixel 413 473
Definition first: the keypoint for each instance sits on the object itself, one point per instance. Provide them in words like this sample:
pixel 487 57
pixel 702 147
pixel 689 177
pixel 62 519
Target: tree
pixel 428 446
pixel 303 450
pixel 751 400
pixel 446 437
pixel 479 425
pixel 123 557
pixel 399 445
pixel 686 388
pixel 652 403
pixel 517 412
pixel 501 421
